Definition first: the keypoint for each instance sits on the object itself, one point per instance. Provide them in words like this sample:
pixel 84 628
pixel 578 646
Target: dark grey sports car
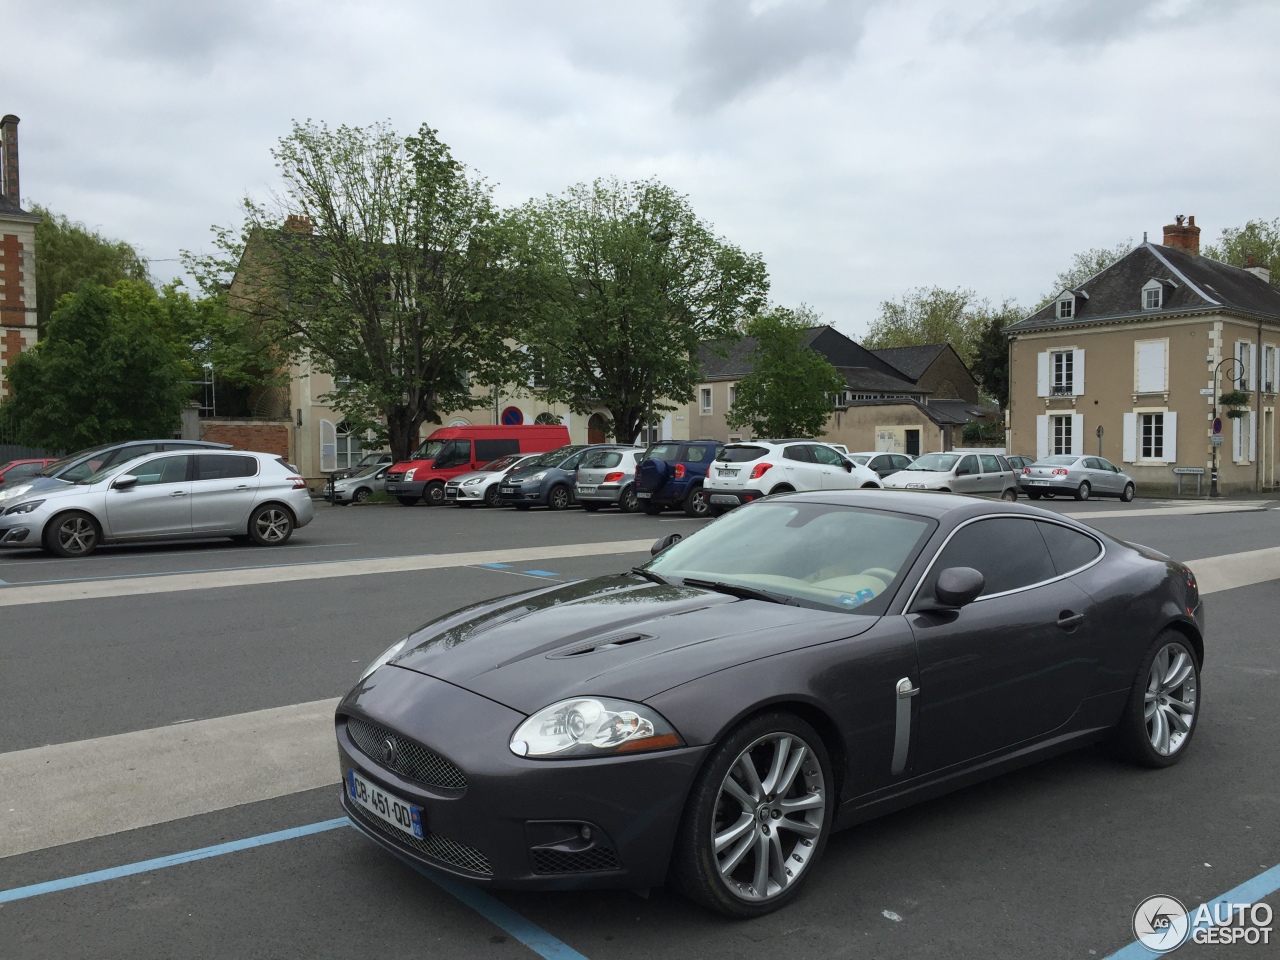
pixel 802 664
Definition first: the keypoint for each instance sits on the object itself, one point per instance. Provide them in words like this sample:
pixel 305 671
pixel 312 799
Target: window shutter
pixel 1042 373
pixel 1077 434
pixel 328 446
pixel 1042 435
pixel 1237 439
pixel 1170 438
pixel 1130 442
pixel 1253 438
pixel 1077 373
pixel 1151 367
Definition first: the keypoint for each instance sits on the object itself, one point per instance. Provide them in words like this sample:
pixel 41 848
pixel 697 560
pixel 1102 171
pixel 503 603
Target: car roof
pixel 925 503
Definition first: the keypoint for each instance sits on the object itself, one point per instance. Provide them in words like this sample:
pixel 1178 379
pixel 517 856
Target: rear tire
pixel 1127 495
pixel 1083 491
pixel 559 497
pixel 1009 495
pixel 1160 718
pixel 627 501
pixel 434 494
pixel 408 501
pixel 1033 494
pixel 74 534
pixel 696 503
pixel 653 509
pixel 271 525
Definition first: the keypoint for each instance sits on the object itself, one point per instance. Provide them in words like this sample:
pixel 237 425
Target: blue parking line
pixel 540 573
pixel 499 914
pixel 495 566
pixel 1251 891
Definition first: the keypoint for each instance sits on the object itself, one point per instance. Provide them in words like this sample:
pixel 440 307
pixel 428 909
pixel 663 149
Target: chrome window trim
pixel 1102 552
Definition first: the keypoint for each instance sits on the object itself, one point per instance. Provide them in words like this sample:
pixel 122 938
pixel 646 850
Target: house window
pixel 1268 369
pixel 1150 363
pixel 1066 308
pixel 1151 298
pixel 1064 372
pixel 733 396
pixel 1152 436
pixel 1062 435
pixel 1244 354
pixel 349 447
pixel 705 403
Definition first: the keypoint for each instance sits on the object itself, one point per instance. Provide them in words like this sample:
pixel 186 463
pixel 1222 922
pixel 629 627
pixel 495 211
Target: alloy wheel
pixel 1171 698
pixel 273 525
pixel 77 535
pixel 696 504
pixel 558 499
pixel 435 494
pixel 769 815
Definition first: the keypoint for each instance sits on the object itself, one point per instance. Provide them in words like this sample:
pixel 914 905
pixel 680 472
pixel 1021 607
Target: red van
pixel 450 451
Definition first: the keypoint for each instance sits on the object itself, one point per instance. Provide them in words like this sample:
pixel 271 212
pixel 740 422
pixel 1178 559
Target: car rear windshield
pixel 859 458
pixel 663 451
pixel 602 458
pixel 1060 461
pixel 935 462
pixel 733 454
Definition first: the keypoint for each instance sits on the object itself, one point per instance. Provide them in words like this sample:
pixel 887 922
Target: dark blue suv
pixel 670 474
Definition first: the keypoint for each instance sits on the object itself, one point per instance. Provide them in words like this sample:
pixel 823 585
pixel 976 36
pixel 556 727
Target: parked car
pixel 1080 477
pixel 75 467
pixel 15 470
pixel 166 496
pixel 804 664
pixel 1018 461
pixel 452 451
pixel 481 486
pixel 547 481
pixel 367 461
pixel 359 487
pixel 985 473
pixel 608 477
pixel 884 464
pixel 747 471
pixel 671 474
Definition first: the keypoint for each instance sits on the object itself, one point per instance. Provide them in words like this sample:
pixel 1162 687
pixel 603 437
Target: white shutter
pixel 1042 436
pixel 1077 434
pixel 1042 374
pixel 1237 439
pixel 1130 442
pixel 1151 367
pixel 666 428
pixel 1170 438
pixel 1077 373
pixel 1253 438
pixel 328 446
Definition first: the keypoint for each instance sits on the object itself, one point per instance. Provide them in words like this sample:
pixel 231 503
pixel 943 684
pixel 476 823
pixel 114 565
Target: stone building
pixel 17 257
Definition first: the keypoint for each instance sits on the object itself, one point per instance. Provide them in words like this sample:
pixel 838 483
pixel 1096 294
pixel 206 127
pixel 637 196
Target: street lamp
pixel 1213 473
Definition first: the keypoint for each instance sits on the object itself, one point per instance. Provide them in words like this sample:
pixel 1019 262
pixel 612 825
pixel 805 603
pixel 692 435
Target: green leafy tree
pixel 929 315
pixel 621 283
pixel 378 265
pixel 990 361
pixel 1257 243
pixel 109 368
pixel 1084 265
pixel 69 254
pixel 788 392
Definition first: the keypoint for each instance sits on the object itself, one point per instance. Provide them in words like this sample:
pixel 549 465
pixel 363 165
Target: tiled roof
pixel 913 361
pixel 866 380
pixel 725 360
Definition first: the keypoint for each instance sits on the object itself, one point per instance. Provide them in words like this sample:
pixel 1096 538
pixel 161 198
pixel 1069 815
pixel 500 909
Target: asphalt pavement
pixel 243 853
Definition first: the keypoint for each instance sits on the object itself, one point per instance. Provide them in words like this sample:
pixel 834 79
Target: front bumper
pixel 402 488
pixel 19 531
pixel 464 493
pixel 534 493
pixel 732 498
pixel 517 823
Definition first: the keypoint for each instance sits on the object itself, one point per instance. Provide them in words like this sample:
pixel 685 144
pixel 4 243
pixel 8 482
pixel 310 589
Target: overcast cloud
pixel 863 147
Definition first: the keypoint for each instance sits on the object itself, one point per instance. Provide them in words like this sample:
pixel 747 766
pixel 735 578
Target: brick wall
pixel 262 436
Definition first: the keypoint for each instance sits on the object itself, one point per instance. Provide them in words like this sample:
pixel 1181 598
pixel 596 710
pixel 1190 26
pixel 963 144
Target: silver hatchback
pixel 608 477
pixel 1079 477
pixel 168 496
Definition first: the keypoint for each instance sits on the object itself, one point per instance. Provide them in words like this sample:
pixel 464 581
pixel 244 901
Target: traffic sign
pixel 1206 391
pixel 1216 440
pixel 1217 425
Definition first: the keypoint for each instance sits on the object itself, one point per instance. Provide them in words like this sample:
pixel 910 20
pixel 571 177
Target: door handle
pixel 243 486
pixel 178 493
pixel 1067 620
pixel 902 726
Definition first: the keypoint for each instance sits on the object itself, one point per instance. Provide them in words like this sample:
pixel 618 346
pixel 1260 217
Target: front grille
pixel 410 759
pixel 395 477
pixel 432 845
pixel 576 861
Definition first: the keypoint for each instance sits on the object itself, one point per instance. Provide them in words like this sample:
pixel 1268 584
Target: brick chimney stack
pixel 1183 236
pixel 9 161
pixel 294 223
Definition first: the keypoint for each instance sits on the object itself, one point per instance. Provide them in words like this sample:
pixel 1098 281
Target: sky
pixel 863 148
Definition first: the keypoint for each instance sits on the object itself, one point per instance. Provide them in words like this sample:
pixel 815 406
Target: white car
pixel 163 496
pixel 481 486
pixel 752 469
pixel 985 473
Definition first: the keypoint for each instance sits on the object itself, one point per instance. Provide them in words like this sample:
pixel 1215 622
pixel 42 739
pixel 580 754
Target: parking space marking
pixel 1236 569
pixel 1251 891
pixel 1194 510
pixel 539 573
pixel 134 585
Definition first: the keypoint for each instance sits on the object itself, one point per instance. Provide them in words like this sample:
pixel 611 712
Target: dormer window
pixel 1066 308
pixel 1153 294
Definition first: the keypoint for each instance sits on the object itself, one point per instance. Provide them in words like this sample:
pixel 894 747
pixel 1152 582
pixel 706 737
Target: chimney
pixel 294 223
pixel 9 159
pixel 1260 270
pixel 1183 236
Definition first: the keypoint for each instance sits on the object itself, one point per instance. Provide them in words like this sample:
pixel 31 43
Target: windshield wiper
pixel 737 590
pixel 650 575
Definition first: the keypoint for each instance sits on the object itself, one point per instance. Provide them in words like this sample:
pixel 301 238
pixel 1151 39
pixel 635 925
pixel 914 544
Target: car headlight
pixel 467 483
pixel 24 507
pixel 592 727
pixel 17 491
pixel 408 475
pixel 383 658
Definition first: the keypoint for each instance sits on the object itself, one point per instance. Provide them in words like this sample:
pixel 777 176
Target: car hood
pixel 464 477
pixel 618 636
pixel 903 477
pixel 32 486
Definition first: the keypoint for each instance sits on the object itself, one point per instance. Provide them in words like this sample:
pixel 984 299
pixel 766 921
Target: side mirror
pixel 669 540
pixel 124 481
pixel 957 586
pixel 848 466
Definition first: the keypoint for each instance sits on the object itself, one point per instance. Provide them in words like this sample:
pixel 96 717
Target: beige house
pixel 17 257
pixel 1127 366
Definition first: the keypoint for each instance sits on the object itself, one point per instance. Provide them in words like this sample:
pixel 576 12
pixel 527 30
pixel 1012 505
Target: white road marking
pixel 1236 569
pixel 1191 510
pixel 18 595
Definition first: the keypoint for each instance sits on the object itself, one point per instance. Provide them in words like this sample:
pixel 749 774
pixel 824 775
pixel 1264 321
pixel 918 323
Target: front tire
pixel 757 818
pixel 559 498
pixel 1083 491
pixel 407 501
pixel 1126 495
pixel 361 495
pixel 696 503
pixel 434 494
pixel 271 525
pixel 1164 704
pixel 627 501
pixel 490 496
pixel 74 534
pixel 1009 496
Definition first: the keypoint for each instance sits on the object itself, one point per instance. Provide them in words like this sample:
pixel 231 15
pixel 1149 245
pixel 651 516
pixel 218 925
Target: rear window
pixel 602 458
pixel 227 466
pixel 741 454
pixel 1057 461
pixel 663 451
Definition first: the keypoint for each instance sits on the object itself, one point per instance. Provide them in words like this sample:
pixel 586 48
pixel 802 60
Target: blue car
pixel 670 474
pixel 547 480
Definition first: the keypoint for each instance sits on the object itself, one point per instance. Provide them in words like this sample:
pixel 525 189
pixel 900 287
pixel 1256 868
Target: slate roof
pixel 963 411
pixel 933 409
pixel 866 380
pixel 838 350
pixel 913 361
pixel 1194 284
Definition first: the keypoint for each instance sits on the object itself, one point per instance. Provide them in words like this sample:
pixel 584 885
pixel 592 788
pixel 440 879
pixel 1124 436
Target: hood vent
pixel 601 644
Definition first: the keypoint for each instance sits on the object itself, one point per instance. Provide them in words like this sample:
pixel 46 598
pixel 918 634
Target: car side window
pixel 1008 551
pixel 798 452
pixel 826 455
pixel 1070 549
pixel 967 465
pixel 225 467
pixel 162 470
pixel 1108 465
pixel 696 454
pixel 573 462
pixel 989 464
pixel 900 462
pixel 1004 464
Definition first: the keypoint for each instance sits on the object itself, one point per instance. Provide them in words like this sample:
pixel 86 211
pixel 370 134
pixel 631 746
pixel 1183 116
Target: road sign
pixel 1189 471
pixel 1206 391
pixel 1217 425
pixel 1216 439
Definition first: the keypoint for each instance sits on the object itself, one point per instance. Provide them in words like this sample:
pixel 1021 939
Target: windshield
pixel 935 462
pixel 859 458
pixel 1059 461
pixel 57 465
pixel 819 554
pixel 429 450
pixel 503 463
pixel 86 476
pixel 367 471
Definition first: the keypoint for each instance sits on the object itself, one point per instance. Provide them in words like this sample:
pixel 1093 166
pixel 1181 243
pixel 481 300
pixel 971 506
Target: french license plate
pixel 405 817
pixel 506 489
pixel 643 496
pixel 915 486
pixel 586 489
pixel 1039 483
pixel 392 487
pixel 727 473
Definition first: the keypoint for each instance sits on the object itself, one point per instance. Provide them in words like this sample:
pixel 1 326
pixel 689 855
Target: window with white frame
pixel 1245 369
pixel 1061 438
pixel 1151 436
pixel 1066 308
pixel 1152 295
pixel 705 399
pixel 1064 372
pixel 733 395
pixel 1151 366
pixel 1268 368
pixel 349 446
